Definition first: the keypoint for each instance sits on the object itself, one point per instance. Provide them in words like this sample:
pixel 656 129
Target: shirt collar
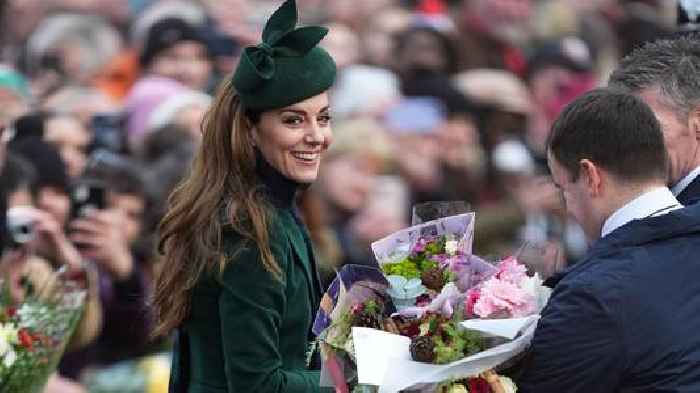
pixel 656 202
pixel 685 182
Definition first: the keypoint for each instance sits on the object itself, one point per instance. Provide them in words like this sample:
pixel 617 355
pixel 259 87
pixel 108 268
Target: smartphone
pixel 86 196
pixel 108 132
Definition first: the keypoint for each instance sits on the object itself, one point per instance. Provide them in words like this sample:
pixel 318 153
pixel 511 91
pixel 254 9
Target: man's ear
pixel 694 122
pixel 591 175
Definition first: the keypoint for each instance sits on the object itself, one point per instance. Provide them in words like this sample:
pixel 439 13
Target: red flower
pixel 11 312
pixel 357 308
pixel 25 339
pixel 478 385
pixel 472 297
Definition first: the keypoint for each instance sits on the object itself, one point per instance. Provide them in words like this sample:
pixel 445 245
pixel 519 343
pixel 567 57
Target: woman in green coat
pixel 238 281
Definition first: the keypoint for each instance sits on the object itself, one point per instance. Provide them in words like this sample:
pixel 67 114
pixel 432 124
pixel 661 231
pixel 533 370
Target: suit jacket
pixel 248 332
pixel 627 317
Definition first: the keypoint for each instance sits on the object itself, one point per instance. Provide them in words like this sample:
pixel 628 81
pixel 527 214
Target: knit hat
pixel 287 67
pixel 167 33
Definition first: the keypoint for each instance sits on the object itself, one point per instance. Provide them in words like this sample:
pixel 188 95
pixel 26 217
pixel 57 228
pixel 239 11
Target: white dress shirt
pixel 685 182
pixel 656 202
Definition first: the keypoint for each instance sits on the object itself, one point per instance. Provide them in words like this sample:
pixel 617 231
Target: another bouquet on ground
pixel 35 331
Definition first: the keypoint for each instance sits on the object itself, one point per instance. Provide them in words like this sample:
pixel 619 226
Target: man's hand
pixel 102 238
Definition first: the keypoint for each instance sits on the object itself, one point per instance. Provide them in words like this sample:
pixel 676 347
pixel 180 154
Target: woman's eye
pixel 293 120
pixel 324 119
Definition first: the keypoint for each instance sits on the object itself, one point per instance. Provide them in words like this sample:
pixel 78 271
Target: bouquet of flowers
pixel 355 298
pixel 457 317
pixel 35 331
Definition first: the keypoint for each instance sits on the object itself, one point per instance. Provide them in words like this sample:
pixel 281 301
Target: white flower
pixel 457 388
pixel 451 247
pixel 508 384
pixel 9 359
pixel 8 337
pixel 535 287
pixel 4 346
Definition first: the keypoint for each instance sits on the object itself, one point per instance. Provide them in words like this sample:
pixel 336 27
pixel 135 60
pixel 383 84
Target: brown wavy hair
pixel 221 189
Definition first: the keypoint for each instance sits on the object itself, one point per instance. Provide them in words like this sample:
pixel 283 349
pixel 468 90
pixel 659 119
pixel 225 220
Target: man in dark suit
pixel 625 318
pixel 666 75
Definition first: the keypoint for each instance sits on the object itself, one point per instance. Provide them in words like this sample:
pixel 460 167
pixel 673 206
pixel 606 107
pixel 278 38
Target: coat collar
pixel 690 193
pixel 641 232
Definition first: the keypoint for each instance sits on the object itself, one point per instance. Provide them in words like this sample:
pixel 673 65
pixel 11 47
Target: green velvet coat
pixel 248 331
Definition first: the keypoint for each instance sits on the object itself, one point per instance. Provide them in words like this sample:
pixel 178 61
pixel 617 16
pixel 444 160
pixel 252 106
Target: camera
pixel 86 196
pixel 21 226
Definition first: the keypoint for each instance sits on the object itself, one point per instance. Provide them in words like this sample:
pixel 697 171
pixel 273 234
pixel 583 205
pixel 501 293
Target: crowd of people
pixel 434 100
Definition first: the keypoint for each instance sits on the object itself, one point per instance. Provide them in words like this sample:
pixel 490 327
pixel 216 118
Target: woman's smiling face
pixel 293 138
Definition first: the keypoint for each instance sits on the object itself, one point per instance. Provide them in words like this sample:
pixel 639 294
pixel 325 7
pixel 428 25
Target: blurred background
pixel 101 102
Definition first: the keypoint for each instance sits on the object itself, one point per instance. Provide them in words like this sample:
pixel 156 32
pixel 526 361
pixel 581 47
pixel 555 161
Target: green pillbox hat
pixel 287 67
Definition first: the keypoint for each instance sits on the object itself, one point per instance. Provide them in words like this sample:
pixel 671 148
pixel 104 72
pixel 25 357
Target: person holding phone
pixel 108 206
pixel 239 282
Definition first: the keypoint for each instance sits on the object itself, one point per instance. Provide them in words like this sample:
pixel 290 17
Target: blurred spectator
pixel 461 157
pixel 18 178
pixel 177 50
pixel 80 101
pixel 641 23
pixel 492 34
pixel 378 40
pixel 65 132
pixel 108 237
pixel 360 152
pixel 14 95
pixel 355 14
pixel 343 44
pixel 166 154
pixel 364 91
pixel 421 50
pixel 233 18
pixel 144 98
pixel 558 71
pixel 51 189
pixel 190 12
pixel 69 48
pixel 185 110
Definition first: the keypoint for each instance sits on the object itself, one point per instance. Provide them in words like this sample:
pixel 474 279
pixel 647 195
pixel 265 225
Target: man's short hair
pixel 671 64
pixel 615 130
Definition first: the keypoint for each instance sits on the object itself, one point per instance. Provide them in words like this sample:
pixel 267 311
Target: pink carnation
pixel 511 270
pixel 501 298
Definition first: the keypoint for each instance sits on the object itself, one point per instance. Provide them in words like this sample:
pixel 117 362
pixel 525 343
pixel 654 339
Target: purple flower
pixel 420 245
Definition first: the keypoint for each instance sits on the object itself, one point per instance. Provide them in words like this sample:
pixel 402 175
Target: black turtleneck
pixel 281 190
